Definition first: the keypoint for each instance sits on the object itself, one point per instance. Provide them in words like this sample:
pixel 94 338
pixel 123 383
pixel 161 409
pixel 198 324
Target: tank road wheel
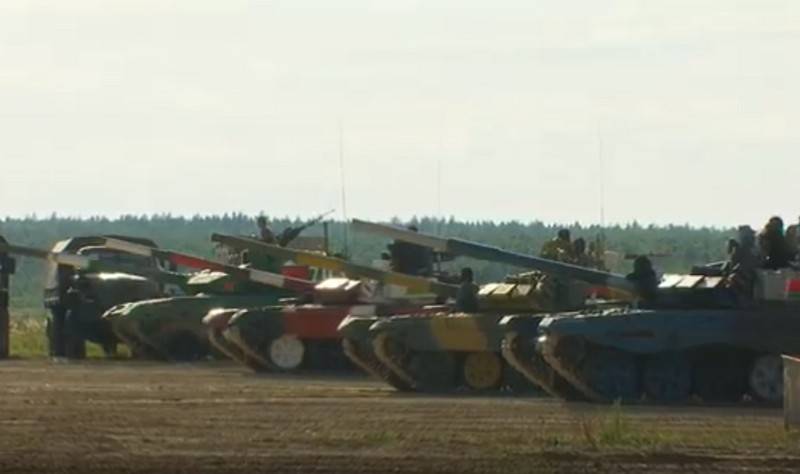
pixel 286 353
pixel 766 378
pixel 612 375
pixel 719 378
pixel 483 371
pixel 183 346
pixel 433 371
pixel 667 378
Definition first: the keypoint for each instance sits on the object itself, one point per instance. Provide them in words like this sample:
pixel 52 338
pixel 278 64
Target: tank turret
pixel 491 253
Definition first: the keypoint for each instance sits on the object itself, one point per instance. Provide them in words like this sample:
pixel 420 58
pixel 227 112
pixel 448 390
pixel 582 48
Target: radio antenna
pixel 344 189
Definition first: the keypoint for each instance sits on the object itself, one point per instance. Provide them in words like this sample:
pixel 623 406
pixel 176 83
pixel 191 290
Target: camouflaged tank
pixel 450 351
pixel 85 277
pixel 172 328
pixel 695 337
pixel 294 337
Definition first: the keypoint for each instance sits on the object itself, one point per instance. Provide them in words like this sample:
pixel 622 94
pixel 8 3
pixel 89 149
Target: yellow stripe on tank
pixel 412 284
pixel 459 333
pixel 319 261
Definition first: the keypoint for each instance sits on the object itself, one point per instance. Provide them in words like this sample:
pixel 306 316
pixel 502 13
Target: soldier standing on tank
pixel 793 241
pixel 467 296
pixel 264 232
pixel 740 270
pixel 772 243
pixel 644 278
pixel 579 255
pixel 560 248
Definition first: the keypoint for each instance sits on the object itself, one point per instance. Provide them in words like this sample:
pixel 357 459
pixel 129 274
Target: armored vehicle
pixel 172 328
pixel 715 334
pixel 84 279
pixel 304 335
pixel 453 350
pixel 695 336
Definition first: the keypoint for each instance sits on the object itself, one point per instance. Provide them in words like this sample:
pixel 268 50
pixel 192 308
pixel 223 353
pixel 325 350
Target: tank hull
pixel 672 356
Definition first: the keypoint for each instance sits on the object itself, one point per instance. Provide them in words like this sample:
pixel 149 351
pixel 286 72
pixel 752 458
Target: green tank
pixel 84 278
pixel 172 328
pixel 304 336
pixel 450 350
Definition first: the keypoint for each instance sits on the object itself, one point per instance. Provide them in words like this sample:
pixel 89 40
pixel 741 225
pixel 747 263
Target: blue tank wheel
pixel 667 378
pixel 613 375
pixel 766 378
pixel 719 378
pixel 433 371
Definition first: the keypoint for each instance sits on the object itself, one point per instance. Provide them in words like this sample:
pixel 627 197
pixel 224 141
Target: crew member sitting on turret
pixel 644 277
pixel 579 255
pixel 772 243
pixel 793 242
pixel 740 270
pixel 264 232
pixel 560 248
pixel 467 296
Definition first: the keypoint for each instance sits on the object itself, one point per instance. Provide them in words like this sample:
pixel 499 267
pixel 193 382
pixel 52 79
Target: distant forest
pixel 680 246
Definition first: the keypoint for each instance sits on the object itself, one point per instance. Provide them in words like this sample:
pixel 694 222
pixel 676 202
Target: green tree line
pixel 680 245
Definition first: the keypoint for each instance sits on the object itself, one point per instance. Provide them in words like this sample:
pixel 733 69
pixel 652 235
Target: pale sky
pixel 143 106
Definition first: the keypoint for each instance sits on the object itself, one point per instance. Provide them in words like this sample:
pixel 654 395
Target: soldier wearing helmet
pixel 264 232
pixel 773 246
pixel 560 248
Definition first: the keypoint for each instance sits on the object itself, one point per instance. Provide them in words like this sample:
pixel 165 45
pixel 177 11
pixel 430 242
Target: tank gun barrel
pixel 62 258
pixel 198 263
pixel 491 253
pixel 414 283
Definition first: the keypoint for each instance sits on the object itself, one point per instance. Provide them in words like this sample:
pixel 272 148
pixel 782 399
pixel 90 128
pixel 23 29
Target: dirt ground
pixel 122 417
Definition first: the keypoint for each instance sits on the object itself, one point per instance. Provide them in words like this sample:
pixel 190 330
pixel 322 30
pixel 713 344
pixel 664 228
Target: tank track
pixel 367 361
pixel 535 368
pixel 219 343
pixel 548 350
pixel 234 336
pixel 390 360
pixel 136 346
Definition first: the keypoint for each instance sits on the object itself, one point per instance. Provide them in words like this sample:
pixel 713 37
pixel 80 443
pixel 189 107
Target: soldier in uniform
pixel 772 243
pixel 264 232
pixel 467 296
pixel 793 241
pixel 560 248
pixel 644 277
pixel 579 255
pixel 740 270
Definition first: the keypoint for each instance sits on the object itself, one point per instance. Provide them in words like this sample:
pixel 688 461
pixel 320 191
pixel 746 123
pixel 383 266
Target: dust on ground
pixel 124 417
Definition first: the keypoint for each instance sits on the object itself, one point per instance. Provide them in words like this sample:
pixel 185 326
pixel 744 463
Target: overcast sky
pixel 662 111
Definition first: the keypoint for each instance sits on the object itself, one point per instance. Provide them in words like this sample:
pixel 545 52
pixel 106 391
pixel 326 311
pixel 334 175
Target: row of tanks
pixel 569 331
pixel 668 339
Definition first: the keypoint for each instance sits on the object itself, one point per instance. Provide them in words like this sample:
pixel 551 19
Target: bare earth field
pixel 123 417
